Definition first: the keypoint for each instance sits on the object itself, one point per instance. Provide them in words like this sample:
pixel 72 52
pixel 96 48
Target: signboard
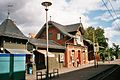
pixel 61 57
pixel 96 47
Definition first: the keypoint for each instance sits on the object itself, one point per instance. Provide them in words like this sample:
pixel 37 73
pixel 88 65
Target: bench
pixel 41 74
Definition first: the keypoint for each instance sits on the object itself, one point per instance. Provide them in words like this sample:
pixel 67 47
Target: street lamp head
pixel 2 48
pixel 47 3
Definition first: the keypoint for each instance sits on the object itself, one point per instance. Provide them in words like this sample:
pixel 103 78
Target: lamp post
pixel 95 51
pixel 94 46
pixel 47 3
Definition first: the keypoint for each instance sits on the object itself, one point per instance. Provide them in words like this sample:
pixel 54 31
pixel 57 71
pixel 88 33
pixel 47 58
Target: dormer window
pixel 60 36
pixel 50 35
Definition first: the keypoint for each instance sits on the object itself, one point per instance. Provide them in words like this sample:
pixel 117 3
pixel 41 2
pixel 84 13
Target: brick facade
pixel 53 31
pixel 75 55
pixel 75 51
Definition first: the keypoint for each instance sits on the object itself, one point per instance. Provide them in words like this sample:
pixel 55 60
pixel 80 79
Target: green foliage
pixel 89 33
pixel 116 50
pixel 100 38
pixel 111 51
pixel 97 36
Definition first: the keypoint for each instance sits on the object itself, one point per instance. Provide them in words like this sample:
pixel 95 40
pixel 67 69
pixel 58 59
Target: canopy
pixel 44 52
pixel 18 51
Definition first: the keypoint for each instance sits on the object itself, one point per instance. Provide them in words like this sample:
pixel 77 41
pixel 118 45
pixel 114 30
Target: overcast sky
pixel 29 15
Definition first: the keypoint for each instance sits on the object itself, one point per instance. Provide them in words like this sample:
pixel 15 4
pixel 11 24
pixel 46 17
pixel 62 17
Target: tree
pixel 116 49
pixel 97 35
pixel 89 33
pixel 111 51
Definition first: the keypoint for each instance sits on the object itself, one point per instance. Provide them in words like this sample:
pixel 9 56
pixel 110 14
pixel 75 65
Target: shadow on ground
pixel 83 74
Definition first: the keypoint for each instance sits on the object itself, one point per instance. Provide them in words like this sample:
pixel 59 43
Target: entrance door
pixel 79 58
pixel 39 60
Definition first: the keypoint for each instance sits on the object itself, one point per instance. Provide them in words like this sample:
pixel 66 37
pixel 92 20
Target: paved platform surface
pixel 83 72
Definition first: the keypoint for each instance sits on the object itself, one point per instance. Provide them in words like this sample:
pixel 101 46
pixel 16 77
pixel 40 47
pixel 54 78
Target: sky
pixel 29 15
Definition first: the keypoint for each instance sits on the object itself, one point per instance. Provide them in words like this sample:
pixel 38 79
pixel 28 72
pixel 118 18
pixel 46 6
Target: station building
pixel 77 49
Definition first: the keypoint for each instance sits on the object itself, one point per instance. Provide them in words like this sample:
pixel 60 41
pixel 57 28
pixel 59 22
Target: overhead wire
pixel 113 8
pixel 110 11
pixel 115 13
pixel 107 9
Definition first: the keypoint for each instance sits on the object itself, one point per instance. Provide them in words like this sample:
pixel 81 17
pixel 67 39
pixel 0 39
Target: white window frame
pixel 58 36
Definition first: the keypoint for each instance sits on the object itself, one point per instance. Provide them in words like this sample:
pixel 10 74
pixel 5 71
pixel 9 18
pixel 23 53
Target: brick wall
pixel 54 32
pixel 72 53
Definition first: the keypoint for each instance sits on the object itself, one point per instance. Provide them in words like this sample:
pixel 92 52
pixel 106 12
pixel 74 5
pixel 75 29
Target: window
pixel 62 36
pixel 50 36
pixel 61 57
pixel 73 55
pixel 58 36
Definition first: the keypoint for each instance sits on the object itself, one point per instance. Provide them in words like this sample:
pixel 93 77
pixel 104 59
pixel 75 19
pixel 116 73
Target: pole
pixel 47 65
pixel 47 3
pixel 94 49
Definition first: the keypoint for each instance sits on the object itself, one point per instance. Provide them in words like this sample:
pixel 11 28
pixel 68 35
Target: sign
pixel 61 57
pixel 96 47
